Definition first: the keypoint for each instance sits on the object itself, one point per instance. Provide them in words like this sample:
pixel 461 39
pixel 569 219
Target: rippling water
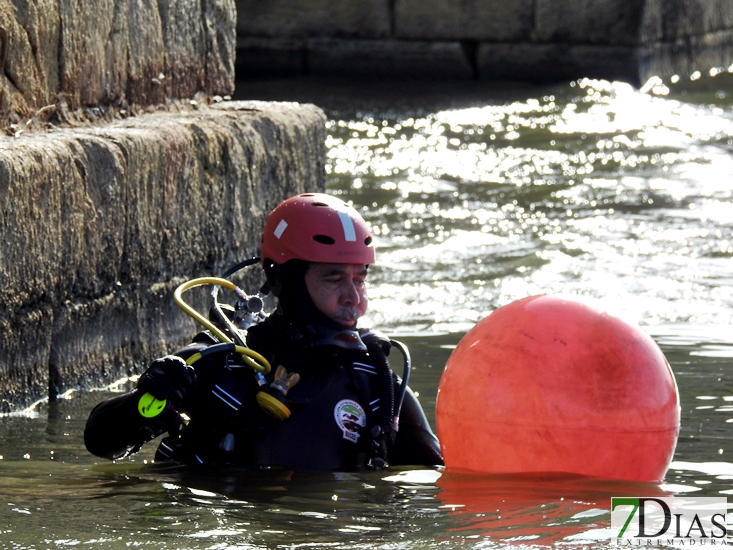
pixel 592 189
pixel 478 195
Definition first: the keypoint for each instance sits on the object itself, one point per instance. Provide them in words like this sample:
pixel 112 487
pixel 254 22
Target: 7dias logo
pixel 679 521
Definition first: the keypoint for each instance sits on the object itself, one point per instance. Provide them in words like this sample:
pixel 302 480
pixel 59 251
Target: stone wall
pixel 118 54
pixel 124 171
pixel 100 224
pixel 683 36
pixel 535 40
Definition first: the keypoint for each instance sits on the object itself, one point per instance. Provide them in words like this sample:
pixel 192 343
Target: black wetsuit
pixel 335 407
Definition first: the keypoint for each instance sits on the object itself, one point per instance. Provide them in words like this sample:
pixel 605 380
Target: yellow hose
pixel 150 407
pixel 249 356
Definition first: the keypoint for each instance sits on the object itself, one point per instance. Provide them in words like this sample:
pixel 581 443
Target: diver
pixel 330 400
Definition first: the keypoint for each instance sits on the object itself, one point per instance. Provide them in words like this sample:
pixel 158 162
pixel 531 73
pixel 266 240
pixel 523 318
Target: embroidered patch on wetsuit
pixel 350 417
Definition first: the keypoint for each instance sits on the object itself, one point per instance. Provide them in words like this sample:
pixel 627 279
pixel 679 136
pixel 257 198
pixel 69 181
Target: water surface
pixel 478 195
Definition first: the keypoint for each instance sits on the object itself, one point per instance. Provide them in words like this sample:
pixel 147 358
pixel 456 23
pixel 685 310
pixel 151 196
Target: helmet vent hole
pixel 324 239
pixel 368 241
pixel 319 204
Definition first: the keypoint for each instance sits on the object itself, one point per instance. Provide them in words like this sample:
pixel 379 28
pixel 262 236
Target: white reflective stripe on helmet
pixel 280 228
pixel 348 225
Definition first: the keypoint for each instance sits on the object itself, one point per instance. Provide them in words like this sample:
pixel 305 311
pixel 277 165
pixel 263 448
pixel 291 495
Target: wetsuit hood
pixel 298 314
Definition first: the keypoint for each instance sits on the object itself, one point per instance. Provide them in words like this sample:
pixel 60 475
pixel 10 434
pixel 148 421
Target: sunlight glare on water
pixel 597 190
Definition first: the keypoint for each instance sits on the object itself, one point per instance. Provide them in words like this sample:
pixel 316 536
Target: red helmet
pixel 316 227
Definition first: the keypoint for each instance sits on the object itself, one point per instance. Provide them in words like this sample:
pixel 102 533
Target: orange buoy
pixel 548 384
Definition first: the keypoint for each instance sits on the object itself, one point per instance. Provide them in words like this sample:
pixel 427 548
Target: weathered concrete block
pixel 200 42
pixel 103 339
pixel 695 30
pixel 489 20
pixel 96 222
pixel 119 53
pixel 326 18
pixel 652 28
pixel 389 59
pixel 29 68
pixel 613 22
pixel 680 37
pixel 105 48
pixel 684 56
pixel 25 377
pixel 544 63
pixel 670 20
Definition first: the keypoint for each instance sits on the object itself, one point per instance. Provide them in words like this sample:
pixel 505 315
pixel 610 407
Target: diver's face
pixel 338 290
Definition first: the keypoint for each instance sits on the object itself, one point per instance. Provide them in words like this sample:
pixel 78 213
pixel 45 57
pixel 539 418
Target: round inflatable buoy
pixel 548 384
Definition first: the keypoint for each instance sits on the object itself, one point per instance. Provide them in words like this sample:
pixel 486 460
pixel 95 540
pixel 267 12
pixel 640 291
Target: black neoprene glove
pixel 169 378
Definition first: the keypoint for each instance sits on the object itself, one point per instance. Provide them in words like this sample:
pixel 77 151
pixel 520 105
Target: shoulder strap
pixel 380 432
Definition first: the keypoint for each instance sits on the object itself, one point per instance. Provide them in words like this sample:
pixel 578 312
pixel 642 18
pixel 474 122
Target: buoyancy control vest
pixel 342 407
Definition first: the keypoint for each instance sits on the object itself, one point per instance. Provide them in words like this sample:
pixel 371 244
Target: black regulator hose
pixel 400 397
pixel 384 432
pixel 241 265
pixel 386 384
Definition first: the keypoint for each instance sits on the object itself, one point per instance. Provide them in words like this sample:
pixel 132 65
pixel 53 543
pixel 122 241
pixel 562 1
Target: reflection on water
pixel 536 507
pixel 478 195
pixel 595 190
